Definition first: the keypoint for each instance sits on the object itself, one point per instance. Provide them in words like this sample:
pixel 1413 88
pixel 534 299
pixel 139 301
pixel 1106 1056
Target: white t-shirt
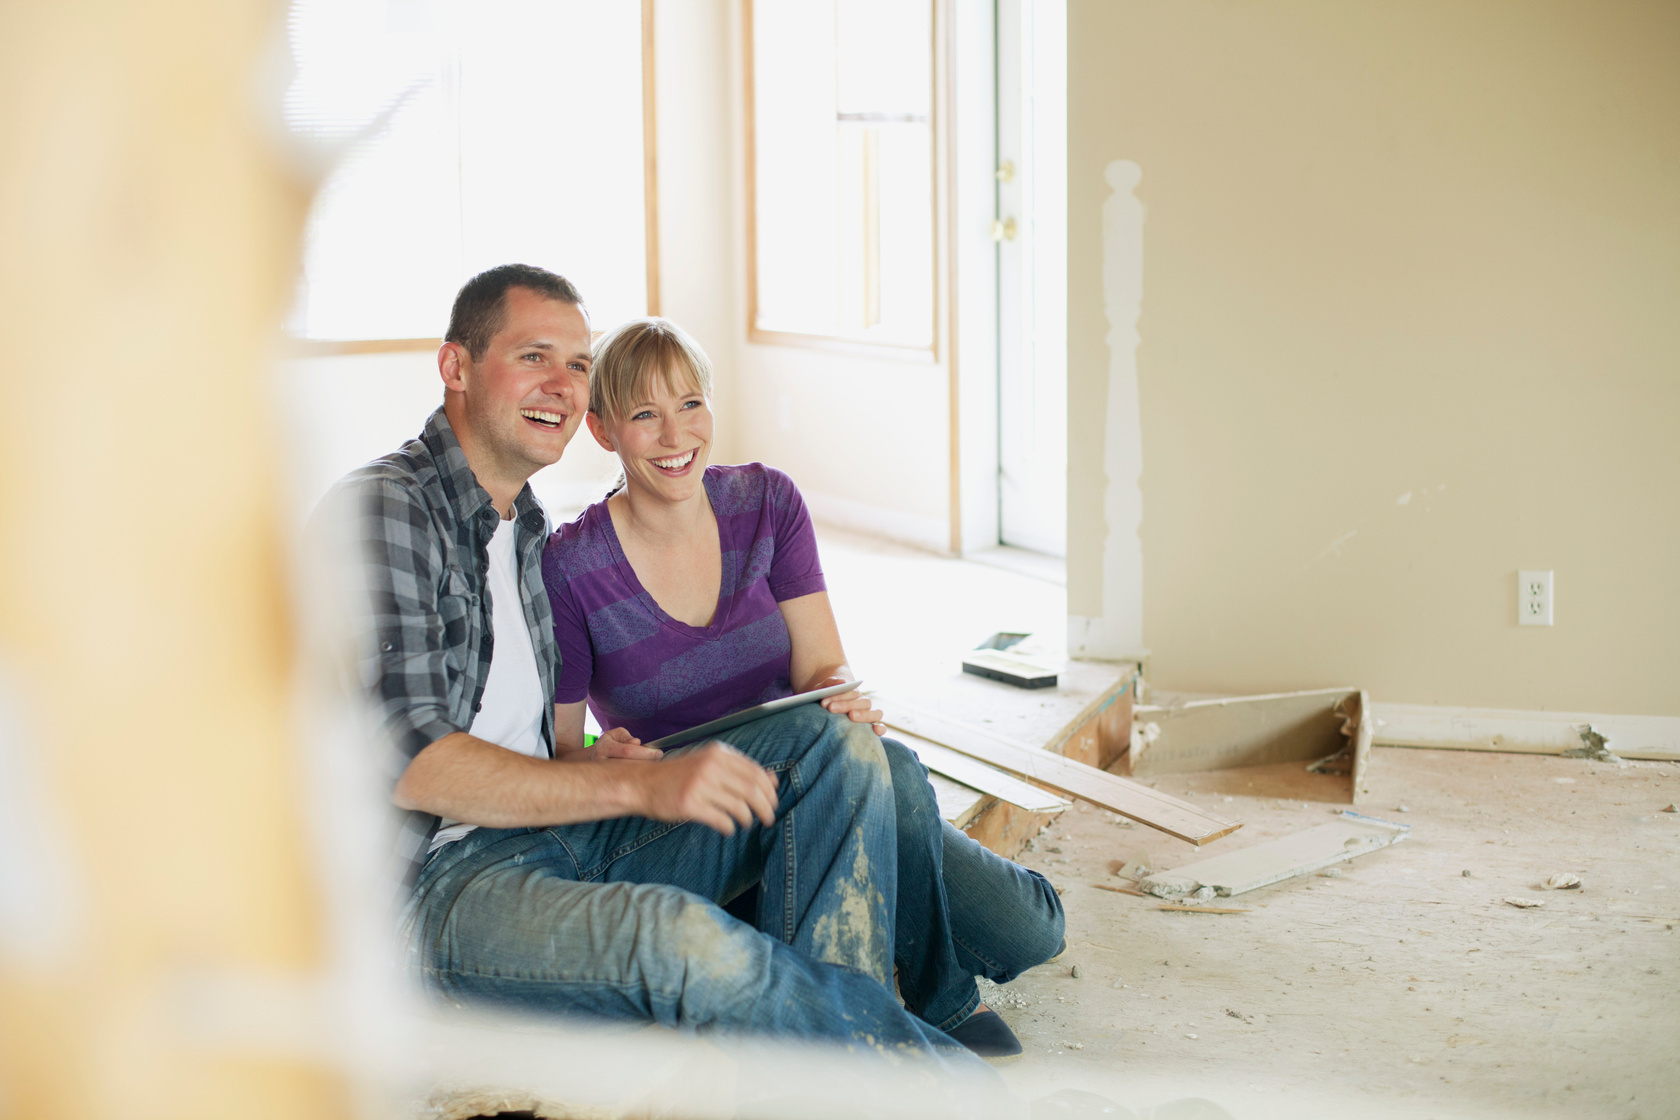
pixel 511 711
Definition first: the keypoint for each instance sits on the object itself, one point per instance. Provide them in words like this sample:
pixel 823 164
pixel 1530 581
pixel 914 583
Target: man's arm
pixel 476 782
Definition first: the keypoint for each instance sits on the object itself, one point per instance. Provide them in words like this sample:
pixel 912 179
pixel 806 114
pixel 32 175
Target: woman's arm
pixel 819 659
pixel 617 743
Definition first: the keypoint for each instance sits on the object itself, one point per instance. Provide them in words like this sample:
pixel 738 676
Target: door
pixel 1031 234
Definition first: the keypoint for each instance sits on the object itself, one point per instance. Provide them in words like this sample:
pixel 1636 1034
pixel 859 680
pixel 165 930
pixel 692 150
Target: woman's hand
pixel 853 705
pixel 617 743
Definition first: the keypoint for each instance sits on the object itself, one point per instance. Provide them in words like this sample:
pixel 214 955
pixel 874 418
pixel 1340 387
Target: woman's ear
pixel 598 429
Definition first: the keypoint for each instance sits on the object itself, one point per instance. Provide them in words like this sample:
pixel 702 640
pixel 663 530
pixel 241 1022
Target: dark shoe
pixel 988 1036
pixel 1057 955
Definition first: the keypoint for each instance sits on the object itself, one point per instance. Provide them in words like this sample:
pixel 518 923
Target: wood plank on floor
pixel 1064 775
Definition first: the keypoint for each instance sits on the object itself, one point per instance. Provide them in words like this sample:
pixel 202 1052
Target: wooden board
pixel 958 804
pixel 1064 775
pixel 1088 716
pixel 978 776
pixel 1277 860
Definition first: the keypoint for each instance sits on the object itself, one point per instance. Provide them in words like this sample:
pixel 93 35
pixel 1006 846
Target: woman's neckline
pixel 645 597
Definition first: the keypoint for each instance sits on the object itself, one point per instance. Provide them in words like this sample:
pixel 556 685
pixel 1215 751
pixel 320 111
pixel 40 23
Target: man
pixel 588 884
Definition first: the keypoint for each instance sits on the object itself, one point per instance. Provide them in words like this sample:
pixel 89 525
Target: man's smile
pixel 543 417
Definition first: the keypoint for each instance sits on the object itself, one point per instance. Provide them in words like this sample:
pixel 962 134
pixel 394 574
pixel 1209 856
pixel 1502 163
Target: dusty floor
pixel 1403 987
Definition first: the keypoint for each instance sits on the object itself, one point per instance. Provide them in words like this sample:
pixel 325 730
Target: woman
pixel 695 590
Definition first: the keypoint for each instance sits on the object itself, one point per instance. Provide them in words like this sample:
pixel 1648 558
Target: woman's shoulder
pixel 746 487
pixel 580 545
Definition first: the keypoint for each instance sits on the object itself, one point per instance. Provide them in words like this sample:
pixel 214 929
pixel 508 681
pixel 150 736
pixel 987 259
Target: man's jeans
pixel 962 911
pixel 618 918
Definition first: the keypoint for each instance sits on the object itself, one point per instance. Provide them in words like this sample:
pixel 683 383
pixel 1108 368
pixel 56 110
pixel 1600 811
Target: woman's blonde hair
pixel 628 357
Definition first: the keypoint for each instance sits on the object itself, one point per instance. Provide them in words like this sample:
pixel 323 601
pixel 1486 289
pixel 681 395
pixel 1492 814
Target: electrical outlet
pixel 1534 598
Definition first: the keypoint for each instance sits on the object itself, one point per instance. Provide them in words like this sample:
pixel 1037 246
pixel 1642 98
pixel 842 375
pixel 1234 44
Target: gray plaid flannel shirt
pixel 423 523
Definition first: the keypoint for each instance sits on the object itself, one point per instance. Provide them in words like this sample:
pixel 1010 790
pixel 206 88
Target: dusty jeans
pixel 963 911
pixel 619 918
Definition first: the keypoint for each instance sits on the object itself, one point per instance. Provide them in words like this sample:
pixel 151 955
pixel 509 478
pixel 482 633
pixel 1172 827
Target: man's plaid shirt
pixel 423 523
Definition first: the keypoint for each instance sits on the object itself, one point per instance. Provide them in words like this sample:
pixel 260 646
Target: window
pixel 841 168
pixel 473 133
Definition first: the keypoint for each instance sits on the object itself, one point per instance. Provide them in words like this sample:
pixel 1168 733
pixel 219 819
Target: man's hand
pixel 716 786
pixel 617 743
pixel 854 705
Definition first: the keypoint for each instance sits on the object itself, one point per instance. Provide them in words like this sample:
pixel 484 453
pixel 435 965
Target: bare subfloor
pixel 1406 986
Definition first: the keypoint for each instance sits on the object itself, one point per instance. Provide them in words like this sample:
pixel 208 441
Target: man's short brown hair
pixel 481 305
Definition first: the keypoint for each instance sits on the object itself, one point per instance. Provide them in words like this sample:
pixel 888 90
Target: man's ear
pixel 598 429
pixel 453 364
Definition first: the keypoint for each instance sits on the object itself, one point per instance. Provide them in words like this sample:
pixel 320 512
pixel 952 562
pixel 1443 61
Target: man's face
pixel 525 395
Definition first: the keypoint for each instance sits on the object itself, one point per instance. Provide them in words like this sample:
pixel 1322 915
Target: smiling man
pixel 586 882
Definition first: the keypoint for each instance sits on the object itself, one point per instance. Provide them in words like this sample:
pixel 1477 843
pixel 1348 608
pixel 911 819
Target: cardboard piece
pixel 1330 727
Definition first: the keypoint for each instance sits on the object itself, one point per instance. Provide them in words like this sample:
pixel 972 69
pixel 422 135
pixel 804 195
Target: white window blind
pixel 476 133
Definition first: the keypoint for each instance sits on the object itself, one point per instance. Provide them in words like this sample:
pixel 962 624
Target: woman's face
pixel 664 440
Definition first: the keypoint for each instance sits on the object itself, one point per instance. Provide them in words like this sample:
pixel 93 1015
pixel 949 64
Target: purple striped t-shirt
pixel 643 670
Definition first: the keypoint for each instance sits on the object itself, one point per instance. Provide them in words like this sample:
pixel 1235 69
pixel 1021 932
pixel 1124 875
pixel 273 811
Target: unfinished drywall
pixel 1407 327
pixel 1105 586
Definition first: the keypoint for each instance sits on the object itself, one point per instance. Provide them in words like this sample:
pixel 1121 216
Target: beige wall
pixel 1429 250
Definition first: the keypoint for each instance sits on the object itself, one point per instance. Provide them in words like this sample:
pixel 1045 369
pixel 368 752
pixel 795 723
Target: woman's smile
pixel 676 465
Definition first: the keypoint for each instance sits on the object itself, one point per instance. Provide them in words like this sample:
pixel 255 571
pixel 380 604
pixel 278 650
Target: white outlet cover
pixel 1534 598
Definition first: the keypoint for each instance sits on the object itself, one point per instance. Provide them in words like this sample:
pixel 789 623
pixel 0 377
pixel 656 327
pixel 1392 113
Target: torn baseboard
pixel 931 533
pixel 1523 732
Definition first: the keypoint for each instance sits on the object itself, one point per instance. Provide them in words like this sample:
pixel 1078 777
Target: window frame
pixel 938 121
pixel 293 346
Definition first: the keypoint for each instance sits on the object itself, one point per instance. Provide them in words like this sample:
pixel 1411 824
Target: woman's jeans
pixel 620 918
pixel 963 911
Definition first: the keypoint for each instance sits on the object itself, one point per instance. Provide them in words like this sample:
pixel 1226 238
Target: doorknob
pixel 1004 230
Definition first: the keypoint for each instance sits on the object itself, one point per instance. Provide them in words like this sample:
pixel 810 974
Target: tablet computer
pixel 747 715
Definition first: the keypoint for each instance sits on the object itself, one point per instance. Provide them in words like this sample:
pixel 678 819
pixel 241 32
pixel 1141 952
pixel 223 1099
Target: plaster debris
pixel 1671 807
pixel 1525 903
pixel 1202 894
pixel 1273 861
pixel 1075 973
pixel 1594 745
pixel 1235 1014
pixel 1562 881
pixel 1330 873
pixel 1466 873
pixel 1189 1036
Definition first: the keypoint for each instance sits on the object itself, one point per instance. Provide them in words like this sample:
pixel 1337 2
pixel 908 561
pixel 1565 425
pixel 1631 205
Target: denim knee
pixel 917 805
pixel 858 752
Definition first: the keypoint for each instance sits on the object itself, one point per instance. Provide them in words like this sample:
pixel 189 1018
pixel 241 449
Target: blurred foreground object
pixel 148 243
